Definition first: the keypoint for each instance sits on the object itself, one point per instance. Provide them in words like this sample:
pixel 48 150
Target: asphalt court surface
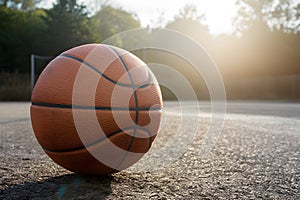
pixel 257 155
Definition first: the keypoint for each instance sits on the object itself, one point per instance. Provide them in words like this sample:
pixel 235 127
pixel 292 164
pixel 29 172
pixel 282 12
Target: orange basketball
pixel 96 109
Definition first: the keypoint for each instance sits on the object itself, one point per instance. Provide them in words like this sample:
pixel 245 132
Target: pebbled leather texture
pixel 110 79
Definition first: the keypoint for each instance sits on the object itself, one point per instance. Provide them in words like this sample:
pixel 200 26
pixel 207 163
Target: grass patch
pixel 14 87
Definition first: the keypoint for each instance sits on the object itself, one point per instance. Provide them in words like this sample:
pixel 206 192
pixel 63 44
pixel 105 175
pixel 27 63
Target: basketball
pixel 96 109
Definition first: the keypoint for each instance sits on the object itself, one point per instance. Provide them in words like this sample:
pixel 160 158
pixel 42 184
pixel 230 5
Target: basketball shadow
pixel 71 186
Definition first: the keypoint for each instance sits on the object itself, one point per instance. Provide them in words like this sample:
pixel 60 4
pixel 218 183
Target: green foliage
pixel 67 26
pixel 189 22
pixel 250 62
pixel 277 14
pixel 26 30
pixel 20 4
pixel 19 31
pixel 109 21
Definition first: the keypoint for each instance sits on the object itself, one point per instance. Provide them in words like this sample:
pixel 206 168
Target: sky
pixel 218 12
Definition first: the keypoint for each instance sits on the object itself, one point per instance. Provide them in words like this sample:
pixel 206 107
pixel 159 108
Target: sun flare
pixel 218 14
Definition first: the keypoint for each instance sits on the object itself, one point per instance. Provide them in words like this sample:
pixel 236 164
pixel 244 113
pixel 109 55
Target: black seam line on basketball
pixel 145 130
pixel 102 139
pixel 131 80
pixel 132 83
pixel 123 63
pixel 128 148
pixel 148 81
pixel 90 107
pixel 100 73
pixel 136 105
pixel 93 143
pixel 148 133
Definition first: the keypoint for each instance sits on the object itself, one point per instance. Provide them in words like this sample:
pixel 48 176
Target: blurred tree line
pixel 26 29
pixel 260 60
pixel 265 43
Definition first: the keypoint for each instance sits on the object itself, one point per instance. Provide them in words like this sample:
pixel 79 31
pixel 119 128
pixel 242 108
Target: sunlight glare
pixel 219 14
